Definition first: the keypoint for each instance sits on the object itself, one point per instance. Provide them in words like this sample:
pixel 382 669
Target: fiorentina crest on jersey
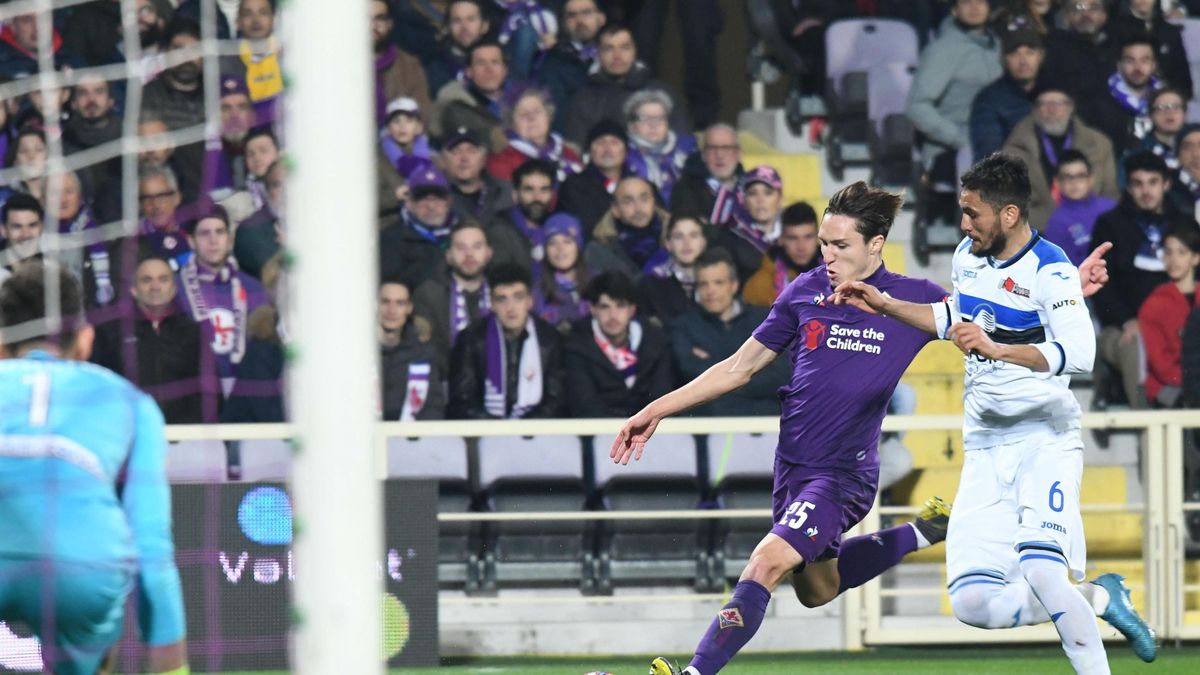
pixel 730 617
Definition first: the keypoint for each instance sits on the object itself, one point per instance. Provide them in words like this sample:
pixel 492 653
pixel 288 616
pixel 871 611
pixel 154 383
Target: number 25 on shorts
pixel 800 511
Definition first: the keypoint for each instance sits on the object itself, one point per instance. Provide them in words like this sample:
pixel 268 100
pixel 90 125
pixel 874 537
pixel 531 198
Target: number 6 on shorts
pixel 800 509
pixel 1056 493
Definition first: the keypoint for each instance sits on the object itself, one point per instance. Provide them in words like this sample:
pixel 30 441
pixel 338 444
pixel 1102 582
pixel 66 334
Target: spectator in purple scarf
pixel 527 128
pixel 564 68
pixel 558 293
pixel 397 72
pixel 403 146
pixel 1070 226
pixel 86 260
pixel 656 153
pixel 629 238
pixel 754 219
pixel 516 234
pixel 159 197
pixel 225 162
pixel 217 295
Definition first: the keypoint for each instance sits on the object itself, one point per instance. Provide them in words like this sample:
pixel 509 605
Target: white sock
pixel 1072 614
pixel 922 542
pixel 1096 595
pixel 690 671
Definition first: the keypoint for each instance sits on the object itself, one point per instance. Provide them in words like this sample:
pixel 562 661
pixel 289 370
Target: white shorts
pixel 1016 498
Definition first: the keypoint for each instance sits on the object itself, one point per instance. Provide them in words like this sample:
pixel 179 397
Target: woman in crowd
pixel 562 273
pixel 1162 316
pixel 667 290
pixel 527 126
pixel 656 153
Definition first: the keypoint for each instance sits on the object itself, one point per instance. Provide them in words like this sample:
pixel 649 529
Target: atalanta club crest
pixel 730 617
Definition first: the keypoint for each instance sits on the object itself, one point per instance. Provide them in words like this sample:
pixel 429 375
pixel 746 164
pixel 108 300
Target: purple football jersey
pixel 845 366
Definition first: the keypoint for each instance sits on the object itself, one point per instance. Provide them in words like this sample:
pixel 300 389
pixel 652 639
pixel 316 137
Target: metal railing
pixel 1163 512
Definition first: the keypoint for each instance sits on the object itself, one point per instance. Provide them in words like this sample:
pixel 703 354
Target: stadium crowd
pixel 560 233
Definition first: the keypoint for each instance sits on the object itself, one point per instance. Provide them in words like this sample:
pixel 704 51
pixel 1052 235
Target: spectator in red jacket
pixel 1163 314
pixel 527 127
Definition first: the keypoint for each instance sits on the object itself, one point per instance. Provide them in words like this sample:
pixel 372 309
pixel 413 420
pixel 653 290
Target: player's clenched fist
pixel 972 339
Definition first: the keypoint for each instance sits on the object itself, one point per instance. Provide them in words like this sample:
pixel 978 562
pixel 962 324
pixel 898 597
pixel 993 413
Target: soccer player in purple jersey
pixel 845 365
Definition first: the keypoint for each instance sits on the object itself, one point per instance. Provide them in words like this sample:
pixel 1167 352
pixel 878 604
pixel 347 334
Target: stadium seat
pixel 196 462
pixel 890 135
pixel 742 470
pixel 852 48
pixel 665 479
pixel 269 460
pixel 459 562
pixel 529 474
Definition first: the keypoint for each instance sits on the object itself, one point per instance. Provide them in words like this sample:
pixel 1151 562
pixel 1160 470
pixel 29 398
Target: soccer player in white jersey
pixel 1018 314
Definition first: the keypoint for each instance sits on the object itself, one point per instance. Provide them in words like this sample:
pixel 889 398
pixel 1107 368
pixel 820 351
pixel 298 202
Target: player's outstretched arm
pixel 869 299
pixel 722 378
pixel 1093 272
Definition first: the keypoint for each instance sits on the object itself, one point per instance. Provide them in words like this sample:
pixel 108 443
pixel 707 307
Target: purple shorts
pixel 814 506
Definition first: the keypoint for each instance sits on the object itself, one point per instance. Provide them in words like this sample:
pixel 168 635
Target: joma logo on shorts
pixel 1047 525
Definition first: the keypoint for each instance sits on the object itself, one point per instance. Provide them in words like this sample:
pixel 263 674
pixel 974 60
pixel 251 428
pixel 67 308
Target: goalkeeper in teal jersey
pixel 85 508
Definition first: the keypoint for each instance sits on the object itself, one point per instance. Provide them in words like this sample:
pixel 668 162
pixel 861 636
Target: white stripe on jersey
pixel 1034 298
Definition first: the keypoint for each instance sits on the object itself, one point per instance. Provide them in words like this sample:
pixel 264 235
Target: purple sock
pixel 735 624
pixel 861 559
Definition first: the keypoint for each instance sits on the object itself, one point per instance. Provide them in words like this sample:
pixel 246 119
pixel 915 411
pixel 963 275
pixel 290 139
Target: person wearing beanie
pixel 588 194
pixel 560 278
pixel 1001 105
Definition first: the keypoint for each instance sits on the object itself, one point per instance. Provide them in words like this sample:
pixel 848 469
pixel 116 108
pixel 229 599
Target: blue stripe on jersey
pixel 1024 249
pixel 1048 253
pixel 1018 319
pixel 962 245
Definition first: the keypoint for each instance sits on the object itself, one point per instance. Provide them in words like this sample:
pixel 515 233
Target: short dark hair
pixel 467 224
pixel 872 209
pixel 612 29
pixel 613 283
pixel 677 218
pixel 1138 38
pixel 1000 179
pixel 1073 156
pixel 800 213
pixel 396 280
pixel 19 201
pixel 506 274
pixel 1187 235
pixel 147 254
pixel 478 5
pixel 181 25
pixel 23 300
pixel 206 212
pixel 535 166
pixel 1145 160
pixel 265 131
pixel 716 256
pixel 481 44
pixel 1159 93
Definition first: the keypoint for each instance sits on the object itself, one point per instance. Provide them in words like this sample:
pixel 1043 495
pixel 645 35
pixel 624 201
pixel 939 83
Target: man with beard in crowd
pixel 458 297
pixel 176 97
pixel 516 234
pixel 93 122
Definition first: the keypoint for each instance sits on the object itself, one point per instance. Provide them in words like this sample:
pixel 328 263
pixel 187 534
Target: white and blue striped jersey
pixel 83 479
pixel 1033 298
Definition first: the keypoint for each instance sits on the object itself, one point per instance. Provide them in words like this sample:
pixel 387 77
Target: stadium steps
pixel 1109 535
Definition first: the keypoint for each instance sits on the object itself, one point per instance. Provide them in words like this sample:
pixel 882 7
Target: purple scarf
pixel 642 244
pixel 406 163
pixel 535 235
pixel 222 170
pixel 219 299
pixel 661 164
pixel 1137 106
pixel 563 303
pixel 522 12
pixel 173 246
pixel 460 316
pixel 1048 146
pixel 382 63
